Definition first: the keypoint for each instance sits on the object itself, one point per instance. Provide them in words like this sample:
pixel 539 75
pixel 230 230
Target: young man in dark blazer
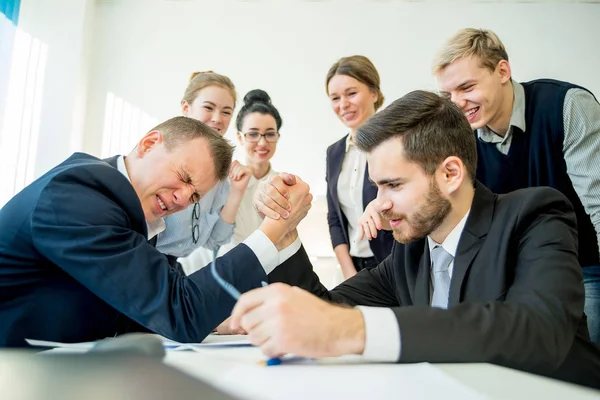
pixel 75 261
pixel 480 277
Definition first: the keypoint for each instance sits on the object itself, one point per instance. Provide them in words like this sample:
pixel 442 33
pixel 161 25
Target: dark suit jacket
pixel 381 246
pixel 75 265
pixel 516 295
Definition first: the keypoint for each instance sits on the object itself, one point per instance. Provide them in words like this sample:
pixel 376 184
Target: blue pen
pixel 279 360
pixel 228 287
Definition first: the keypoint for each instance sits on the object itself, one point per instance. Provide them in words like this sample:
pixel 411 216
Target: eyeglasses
pixel 195 227
pixel 254 137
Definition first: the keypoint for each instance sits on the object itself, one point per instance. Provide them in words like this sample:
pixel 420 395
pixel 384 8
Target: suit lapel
pixel 369 191
pixel 476 229
pixel 422 283
pixel 337 158
pixel 416 262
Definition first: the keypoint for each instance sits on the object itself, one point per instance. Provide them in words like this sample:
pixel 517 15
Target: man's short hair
pixel 468 42
pixel 431 128
pixel 180 130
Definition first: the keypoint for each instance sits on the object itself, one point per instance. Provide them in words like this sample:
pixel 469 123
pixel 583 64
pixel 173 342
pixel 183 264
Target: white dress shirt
pixel 382 334
pixel 350 194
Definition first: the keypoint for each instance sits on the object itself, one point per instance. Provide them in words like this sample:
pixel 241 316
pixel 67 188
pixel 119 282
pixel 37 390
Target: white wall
pixel 65 27
pixel 144 52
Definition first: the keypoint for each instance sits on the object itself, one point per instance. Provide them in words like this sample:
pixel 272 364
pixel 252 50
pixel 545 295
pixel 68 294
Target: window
pixel 124 125
pixel 22 74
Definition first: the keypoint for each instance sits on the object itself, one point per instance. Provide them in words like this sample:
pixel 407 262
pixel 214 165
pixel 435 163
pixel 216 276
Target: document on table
pixel 170 345
pixel 325 380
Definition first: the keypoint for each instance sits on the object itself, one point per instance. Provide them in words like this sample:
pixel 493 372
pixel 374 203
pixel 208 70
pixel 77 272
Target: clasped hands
pixel 281 319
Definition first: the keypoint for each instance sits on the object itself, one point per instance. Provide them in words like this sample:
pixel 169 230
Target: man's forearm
pixel 275 230
pixel 287 240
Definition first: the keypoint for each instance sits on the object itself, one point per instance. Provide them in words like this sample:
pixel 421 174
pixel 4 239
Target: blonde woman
pixel 210 98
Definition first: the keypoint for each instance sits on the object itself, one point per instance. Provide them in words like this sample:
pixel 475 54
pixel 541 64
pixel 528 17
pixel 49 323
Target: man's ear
pixel 148 142
pixel 452 173
pixel 503 69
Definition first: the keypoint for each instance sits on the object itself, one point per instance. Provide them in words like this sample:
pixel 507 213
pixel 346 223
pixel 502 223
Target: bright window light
pixel 124 125
pixel 19 128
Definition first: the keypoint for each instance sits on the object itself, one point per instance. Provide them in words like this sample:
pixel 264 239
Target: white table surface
pixel 235 370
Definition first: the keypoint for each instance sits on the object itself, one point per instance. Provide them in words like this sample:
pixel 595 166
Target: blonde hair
pixel 361 69
pixel 201 80
pixel 468 42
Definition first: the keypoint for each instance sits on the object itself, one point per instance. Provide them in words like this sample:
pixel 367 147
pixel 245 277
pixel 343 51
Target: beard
pixel 429 216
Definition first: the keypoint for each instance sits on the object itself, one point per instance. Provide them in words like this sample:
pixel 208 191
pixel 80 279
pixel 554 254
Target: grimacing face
pixel 213 105
pixel 168 181
pixel 418 207
pixel 475 89
pixel 351 100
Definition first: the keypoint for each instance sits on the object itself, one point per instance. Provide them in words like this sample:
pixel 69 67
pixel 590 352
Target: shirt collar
pixel 349 142
pixel 517 117
pixel 155 227
pixel 450 244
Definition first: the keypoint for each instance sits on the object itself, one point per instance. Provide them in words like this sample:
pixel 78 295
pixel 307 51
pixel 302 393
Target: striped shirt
pixel 581 144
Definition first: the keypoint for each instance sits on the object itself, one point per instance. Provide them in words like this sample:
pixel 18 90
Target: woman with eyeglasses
pixel 210 98
pixel 258 123
pixel 352 85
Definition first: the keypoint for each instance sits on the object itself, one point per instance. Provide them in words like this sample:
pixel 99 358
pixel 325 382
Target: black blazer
pixel 381 246
pixel 75 265
pixel 516 295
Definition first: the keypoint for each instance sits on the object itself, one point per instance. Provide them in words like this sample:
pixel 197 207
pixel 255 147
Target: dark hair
pixel 431 129
pixel 361 69
pixel 257 100
pixel 180 130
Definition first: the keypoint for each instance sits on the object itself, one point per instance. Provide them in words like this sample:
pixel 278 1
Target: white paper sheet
pixel 343 381
pixel 170 345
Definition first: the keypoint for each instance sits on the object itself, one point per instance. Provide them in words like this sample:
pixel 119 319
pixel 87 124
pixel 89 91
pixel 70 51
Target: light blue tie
pixel 441 260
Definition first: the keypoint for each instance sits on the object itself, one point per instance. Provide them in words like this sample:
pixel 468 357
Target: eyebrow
pixel 466 83
pixel 387 181
pixel 345 90
pixel 257 129
pixel 188 178
pixel 215 105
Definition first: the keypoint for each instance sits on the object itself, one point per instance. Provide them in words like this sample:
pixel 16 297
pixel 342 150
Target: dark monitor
pixel 24 375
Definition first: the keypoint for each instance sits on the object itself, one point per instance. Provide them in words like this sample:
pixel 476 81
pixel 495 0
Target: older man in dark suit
pixel 481 277
pixel 75 261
